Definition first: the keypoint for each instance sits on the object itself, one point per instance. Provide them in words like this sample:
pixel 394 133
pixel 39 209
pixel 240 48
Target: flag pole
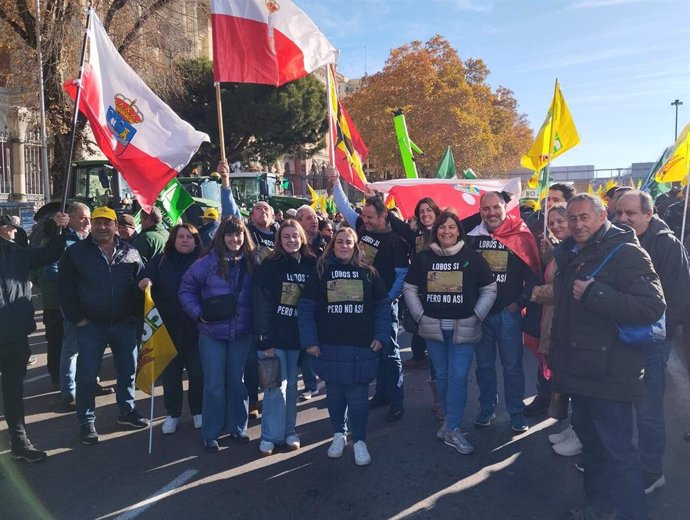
pixel 151 421
pixel 685 211
pixel 548 158
pixel 75 114
pixel 42 102
pixel 331 125
pixel 221 132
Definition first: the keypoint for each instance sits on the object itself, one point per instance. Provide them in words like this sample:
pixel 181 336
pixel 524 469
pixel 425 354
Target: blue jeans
pixel 452 362
pixel 308 374
pixel 613 477
pixel 279 412
pixel 349 402
pixel 502 330
pixel 651 426
pixel 68 360
pixel 226 402
pixel 389 378
pixel 92 339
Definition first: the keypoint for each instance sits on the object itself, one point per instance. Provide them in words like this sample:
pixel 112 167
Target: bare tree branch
pixel 130 36
pixel 21 31
pixel 114 8
pixel 29 21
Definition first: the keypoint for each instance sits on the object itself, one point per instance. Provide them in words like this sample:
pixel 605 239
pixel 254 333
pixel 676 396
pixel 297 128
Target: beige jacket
pixel 467 330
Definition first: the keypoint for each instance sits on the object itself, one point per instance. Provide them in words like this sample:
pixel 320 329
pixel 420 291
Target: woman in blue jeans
pixel 344 321
pixel 163 273
pixel 278 288
pixel 449 290
pixel 216 292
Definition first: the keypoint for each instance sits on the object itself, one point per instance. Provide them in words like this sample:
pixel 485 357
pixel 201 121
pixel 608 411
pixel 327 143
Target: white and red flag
pixel 265 41
pixel 141 136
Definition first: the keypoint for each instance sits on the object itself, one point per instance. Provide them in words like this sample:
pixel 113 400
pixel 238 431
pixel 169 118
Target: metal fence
pixel 32 161
pixel 5 170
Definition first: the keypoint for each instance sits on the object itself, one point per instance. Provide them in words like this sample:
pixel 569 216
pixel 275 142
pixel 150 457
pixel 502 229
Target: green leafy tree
pixel 261 122
pixel 447 102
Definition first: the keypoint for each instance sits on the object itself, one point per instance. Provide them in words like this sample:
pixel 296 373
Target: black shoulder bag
pixel 223 307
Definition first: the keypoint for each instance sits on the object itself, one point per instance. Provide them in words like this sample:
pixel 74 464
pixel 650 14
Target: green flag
pixel 446 169
pixel 650 185
pixel 469 174
pixel 173 201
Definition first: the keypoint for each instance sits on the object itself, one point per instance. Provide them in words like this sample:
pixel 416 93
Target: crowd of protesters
pixel 250 303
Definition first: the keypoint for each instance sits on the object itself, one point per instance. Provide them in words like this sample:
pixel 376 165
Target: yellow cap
pixel 104 212
pixel 211 213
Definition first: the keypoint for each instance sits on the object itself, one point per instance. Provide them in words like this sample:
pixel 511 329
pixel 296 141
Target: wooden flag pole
pixel 221 132
pixel 75 114
pixel 545 211
pixel 330 78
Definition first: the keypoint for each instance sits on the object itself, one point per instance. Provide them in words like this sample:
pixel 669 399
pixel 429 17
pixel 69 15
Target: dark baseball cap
pixel 6 220
pixel 126 220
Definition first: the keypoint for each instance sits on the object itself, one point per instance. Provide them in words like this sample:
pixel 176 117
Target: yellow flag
pixel 676 168
pixel 564 135
pixel 157 349
pixel 590 190
pixel 317 201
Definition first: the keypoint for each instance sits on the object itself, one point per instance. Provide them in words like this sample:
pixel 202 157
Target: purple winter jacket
pixel 201 281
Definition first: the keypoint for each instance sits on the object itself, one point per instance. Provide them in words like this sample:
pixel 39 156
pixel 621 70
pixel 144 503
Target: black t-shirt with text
pixel 449 285
pixel 385 251
pixel 345 297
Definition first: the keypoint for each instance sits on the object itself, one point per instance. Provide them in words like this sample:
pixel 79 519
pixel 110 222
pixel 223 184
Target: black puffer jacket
pixel 93 290
pixel 587 358
pixel 670 261
pixel 16 309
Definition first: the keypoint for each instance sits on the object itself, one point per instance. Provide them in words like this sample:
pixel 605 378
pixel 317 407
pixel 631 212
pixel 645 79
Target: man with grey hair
pixel 307 217
pixel 153 236
pixel 603 376
pixel 636 209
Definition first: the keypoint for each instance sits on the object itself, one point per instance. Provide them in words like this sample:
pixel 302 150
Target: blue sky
pixel 620 62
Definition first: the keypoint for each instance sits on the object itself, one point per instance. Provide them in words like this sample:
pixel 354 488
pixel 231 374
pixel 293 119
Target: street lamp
pixel 676 104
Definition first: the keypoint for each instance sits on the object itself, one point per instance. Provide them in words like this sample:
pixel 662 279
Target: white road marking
pixel 136 509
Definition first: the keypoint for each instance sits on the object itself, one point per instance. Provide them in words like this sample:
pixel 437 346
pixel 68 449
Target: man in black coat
pixel 636 209
pixel 603 375
pixel 17 322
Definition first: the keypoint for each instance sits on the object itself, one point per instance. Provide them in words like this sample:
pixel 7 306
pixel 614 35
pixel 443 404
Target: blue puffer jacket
pixel 201 281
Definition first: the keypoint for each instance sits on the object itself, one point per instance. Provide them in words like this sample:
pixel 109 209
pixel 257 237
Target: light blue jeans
pixel 279 409
pixel 502 331
pixel 68 360
pixel 452 362
pixel 226 403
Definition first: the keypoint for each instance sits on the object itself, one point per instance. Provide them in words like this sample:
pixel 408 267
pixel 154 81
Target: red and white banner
pixel 462 195
pixel 141 136
pixel 265 41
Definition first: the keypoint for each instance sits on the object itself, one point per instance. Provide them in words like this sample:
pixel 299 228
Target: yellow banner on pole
pixel 157 348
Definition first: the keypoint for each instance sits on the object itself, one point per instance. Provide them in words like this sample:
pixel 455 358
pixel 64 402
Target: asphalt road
pixel 412 474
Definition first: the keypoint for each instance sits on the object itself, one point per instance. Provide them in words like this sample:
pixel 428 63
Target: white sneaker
pixel 266 448
pixel 198 422
pixel 362 457
pixel 569 447
pixel 441 433
pixel 292 442
pixel 337 446
pixel 556 438
pixel 169 425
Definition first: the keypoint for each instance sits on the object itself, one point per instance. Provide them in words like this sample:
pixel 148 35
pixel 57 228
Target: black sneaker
pixel 378 402
pixel 211 446
pixel 67 404
pixel 104 390
pixel 133 420
pixel 239 438
pixel 394 413
pixel 88 433
pixel 28 453
pixel 652 482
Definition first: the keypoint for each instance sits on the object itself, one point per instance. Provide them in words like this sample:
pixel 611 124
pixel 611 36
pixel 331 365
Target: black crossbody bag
pixel 223 307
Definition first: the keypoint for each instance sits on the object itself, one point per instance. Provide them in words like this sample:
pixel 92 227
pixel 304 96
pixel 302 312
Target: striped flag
pixel 350 150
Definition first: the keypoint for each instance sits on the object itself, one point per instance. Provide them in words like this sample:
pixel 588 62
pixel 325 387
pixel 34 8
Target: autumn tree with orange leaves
pixel 447 102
